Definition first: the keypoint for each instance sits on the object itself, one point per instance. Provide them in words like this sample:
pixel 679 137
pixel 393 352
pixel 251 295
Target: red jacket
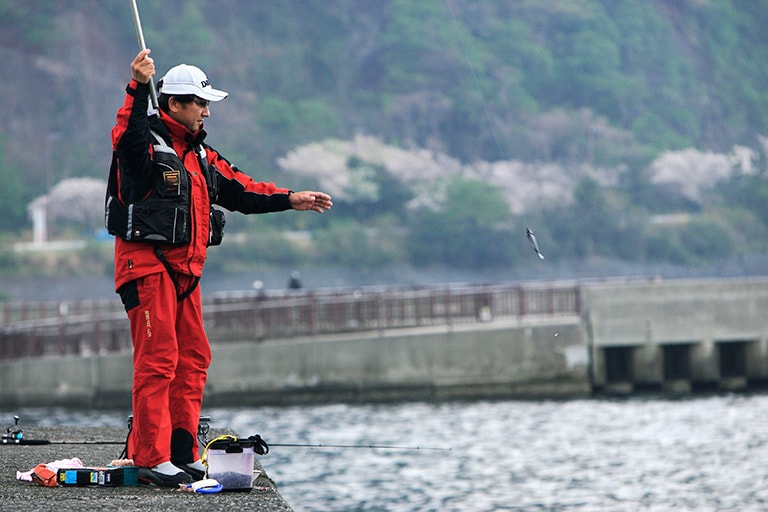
pixel 132 144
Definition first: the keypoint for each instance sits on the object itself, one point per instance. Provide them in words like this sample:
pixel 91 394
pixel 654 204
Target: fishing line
pixel 528 231
pixel 370 446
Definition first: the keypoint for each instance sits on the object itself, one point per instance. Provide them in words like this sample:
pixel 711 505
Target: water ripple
pixel 702 454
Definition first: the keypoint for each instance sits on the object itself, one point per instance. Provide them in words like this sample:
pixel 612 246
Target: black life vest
pixel 164 215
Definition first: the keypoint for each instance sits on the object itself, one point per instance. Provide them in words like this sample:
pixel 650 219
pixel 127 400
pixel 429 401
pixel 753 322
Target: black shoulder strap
pixel 180 296
pixel 162 145
pixel 211 176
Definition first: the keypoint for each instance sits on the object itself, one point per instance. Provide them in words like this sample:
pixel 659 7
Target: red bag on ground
pixel 43 476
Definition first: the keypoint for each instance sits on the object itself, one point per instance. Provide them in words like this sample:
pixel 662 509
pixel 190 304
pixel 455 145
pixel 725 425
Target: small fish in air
pixel 532 238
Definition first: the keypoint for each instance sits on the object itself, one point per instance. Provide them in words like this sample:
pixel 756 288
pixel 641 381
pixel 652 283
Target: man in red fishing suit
pixel 164 181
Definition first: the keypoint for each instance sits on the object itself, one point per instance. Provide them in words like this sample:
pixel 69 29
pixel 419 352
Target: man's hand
pixel 308 200
pixel 143 67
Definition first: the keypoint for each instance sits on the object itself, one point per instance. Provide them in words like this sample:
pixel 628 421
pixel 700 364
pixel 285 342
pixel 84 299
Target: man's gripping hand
pixel 143 67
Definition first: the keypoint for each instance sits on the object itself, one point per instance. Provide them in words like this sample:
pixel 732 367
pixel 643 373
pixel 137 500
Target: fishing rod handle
pixel 25 441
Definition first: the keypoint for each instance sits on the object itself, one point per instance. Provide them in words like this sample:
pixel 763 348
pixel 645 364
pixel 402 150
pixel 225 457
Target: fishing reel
pixel 203 428
pixel 13 433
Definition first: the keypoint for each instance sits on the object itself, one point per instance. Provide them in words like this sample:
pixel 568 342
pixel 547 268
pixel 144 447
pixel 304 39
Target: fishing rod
pixel 143 46
pixel 38 442
pixel 15 436
pixel 48 441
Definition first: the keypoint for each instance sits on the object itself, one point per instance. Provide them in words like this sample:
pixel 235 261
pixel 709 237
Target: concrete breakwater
pixel 624 336
pixel 678 336
pixel 426 363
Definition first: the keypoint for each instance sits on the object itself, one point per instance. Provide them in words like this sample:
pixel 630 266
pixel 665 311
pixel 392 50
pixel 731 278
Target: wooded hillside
pixel 603 85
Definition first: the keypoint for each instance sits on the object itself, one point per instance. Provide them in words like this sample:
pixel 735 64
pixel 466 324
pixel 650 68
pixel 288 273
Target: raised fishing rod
pixel 143 46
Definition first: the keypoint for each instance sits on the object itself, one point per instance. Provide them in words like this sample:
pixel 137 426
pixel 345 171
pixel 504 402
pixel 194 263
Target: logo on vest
pixel 171 178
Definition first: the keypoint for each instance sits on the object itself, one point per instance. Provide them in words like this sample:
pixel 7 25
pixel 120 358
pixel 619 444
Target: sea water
pixel 699 454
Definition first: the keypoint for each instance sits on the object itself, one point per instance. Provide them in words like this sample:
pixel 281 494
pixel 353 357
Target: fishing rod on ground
pixel 38 442
pixel 34 442
pixel 15 436
pixel 271 445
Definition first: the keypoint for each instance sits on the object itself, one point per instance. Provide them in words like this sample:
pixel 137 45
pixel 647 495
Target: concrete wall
pixel 100 381
pixel 482 360
pixel 678 334
pixel 676 311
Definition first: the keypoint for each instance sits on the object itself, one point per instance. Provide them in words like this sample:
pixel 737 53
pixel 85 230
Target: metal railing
pixel 99 327
pixel 23 311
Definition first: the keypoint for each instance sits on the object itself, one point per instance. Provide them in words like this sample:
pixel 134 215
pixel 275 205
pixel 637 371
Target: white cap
pixel 186 79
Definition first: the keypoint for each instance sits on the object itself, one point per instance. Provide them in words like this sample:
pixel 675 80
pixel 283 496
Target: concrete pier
pixel 621 337
pixel 678 336
pixel 530 359
pixel 17 495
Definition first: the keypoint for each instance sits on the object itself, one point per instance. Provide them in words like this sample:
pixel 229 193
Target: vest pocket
pixel 154 220
pixel 216 232
pixel 170 181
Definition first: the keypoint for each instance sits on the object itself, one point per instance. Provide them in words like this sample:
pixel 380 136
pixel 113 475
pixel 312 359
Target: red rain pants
pixel 171 355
